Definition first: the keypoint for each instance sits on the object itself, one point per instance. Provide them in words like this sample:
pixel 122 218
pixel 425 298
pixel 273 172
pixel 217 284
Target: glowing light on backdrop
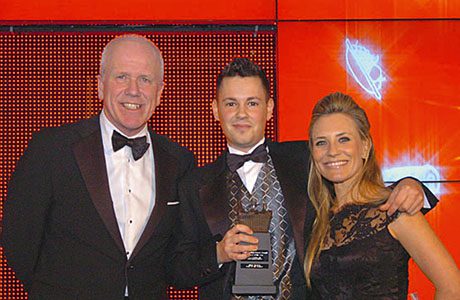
pixel 427 173
pixel 365 69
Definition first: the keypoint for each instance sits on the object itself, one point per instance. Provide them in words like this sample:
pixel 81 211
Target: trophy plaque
pixel 254 276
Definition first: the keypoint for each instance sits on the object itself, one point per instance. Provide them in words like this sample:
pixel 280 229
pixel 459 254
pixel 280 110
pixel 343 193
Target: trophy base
pixel 254 276
pixel 254 290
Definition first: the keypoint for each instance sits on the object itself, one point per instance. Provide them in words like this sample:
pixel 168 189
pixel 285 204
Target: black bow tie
pixel 235 161
pixel 138 145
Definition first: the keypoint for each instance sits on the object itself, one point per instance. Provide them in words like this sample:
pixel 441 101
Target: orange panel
pixel 137 10
pixel 416 121
pixel 445 221
pixel 367 9
pixel 418 116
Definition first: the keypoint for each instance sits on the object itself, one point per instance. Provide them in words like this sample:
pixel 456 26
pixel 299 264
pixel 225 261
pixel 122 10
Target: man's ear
pixel 100 87
pixel 270 108
pixel 215 110
pixel 160 92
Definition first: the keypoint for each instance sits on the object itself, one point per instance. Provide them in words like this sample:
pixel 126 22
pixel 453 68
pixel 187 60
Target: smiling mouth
pixel 131 106
pixel 241 125
pixel 336 164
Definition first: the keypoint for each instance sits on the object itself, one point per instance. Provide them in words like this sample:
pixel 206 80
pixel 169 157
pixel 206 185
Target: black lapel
pixel 292 176
pixel 213 197
pixel 89 154
pixel 166 173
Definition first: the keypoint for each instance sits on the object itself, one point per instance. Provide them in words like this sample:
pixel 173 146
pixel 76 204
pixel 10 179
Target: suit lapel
pixel 89 154
pixel 294 189
pixel 166 170
pixel 213 197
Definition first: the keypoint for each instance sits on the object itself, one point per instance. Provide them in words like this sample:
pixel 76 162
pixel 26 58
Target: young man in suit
pixel 92 207
pixel 252 170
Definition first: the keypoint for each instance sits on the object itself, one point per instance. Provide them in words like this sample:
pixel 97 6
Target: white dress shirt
pixel 249 171
pixel 132 185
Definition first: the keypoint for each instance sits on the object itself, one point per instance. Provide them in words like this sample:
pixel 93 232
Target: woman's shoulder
pixel 357 222
pixel 364 214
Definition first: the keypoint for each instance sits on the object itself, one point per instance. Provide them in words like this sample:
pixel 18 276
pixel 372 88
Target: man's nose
pixel 241 111
pixel 133 88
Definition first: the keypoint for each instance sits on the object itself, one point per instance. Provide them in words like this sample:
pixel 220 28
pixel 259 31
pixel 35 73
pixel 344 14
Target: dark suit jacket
pixel 60 231
pixel 204 209
pixel 204 214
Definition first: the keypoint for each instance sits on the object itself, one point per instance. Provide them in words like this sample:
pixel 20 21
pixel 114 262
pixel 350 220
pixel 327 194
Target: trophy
pixel 254 276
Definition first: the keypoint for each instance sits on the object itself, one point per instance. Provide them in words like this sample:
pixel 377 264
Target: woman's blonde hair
pixel 368 188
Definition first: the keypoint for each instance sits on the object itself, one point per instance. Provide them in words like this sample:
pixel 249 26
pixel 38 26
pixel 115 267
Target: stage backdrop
pixel 50 79
pixel 397 58
pixel 405 75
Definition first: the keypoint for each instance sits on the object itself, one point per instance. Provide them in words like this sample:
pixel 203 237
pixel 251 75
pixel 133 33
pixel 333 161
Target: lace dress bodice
pixel 360 259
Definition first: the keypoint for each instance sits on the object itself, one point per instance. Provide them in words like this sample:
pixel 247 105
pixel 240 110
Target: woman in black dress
pixel 357 251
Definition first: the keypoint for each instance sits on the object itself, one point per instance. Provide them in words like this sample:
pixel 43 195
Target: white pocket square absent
pixel 173 203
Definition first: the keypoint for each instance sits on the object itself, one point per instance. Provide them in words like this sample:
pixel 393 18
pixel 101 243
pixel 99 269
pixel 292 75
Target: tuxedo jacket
pixel 204 221
pixel 60 231
pixel 204 213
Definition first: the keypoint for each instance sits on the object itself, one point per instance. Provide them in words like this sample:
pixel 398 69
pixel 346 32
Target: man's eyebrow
pixel 253 98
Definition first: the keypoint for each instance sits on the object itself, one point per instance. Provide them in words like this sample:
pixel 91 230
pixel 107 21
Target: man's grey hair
pixel 130 37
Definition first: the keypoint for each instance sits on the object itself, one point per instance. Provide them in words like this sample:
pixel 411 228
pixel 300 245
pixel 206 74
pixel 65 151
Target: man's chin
pixel 245 147
pixel 131 129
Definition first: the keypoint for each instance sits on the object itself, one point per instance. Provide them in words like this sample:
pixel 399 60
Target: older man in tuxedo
pixel 253 171
pixel 91 206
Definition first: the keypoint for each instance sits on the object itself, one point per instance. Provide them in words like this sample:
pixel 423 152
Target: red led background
pixel 47 80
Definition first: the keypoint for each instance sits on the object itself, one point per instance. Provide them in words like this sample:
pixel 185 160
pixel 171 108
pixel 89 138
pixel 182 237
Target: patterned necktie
pixel 138 145
pixel 235 161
